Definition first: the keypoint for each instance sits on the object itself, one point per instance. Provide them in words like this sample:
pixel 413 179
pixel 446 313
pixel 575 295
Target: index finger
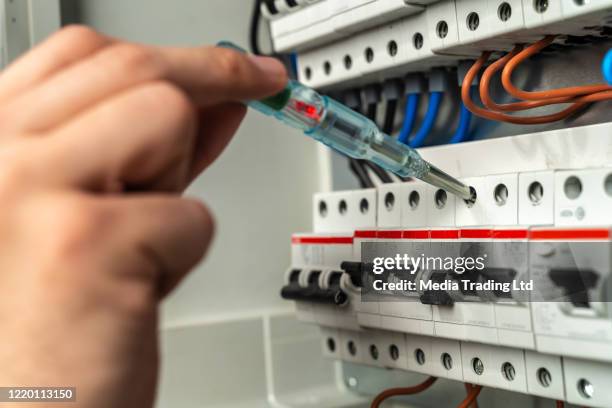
pixel 223 74
pixel 209 75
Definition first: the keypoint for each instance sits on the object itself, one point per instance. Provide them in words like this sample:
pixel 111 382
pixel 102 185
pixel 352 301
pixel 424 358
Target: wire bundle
pixel 579 97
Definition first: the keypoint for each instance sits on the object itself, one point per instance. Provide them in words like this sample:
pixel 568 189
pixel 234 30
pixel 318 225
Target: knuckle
pixel 135 59
pixel 231 64
pixel 79 36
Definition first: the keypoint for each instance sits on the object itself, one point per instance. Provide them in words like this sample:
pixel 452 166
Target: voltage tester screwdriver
pixel 351 133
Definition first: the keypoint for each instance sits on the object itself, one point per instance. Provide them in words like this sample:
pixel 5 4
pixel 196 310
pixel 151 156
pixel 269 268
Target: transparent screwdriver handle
pixel 350 133
pixel 343 129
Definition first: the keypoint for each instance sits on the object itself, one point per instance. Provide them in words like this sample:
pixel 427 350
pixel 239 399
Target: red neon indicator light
pixel 309 110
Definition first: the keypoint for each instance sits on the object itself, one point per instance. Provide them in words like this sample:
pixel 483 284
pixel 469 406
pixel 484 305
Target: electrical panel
pixel 541 214
pixel 340 43
pixel 560 350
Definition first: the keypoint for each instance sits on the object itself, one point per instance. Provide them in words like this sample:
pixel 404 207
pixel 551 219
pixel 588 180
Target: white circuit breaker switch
pixel 446 356
pixel 371 14
pixel 414 202
pixel 587 383
pixel 408 314
pixel 501 199
pixel 344 211
pixel 536 198
pixel 350 346
pixel 507 22
pixel 472 318
pixel 571 313
pixel 474 213
pixel 330 343
pixel 508 263
pixel 541 16
pixel 420 354
pixel 544 375
pixel 441 208
pixel 389 205
pixel 393 351
pixel 494 366
pixel 442 26
pixel 583 197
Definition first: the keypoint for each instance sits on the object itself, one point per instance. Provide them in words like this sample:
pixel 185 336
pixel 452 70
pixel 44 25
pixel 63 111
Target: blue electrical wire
pixel 463 129
pixel 412 107
pixel 435 98
pixel 606 67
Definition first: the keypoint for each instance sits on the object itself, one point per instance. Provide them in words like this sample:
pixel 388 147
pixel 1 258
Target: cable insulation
pixel 469 387
pixel 410 114
pixel 463 128
pixel 472 395
pixel 533 120
pixel 485 85
pixel 379 171
pixel 433 106
pixel 393 392
pixel 254 28
pixel 547 94
pixel 390 110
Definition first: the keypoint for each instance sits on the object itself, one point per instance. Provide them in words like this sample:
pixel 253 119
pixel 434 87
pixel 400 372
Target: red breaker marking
pixel 475 233
pixel 389 234
pixel 321 240
pixel 510 234
pixel 444 234
pixel 570 234
pixel 415 234
pixel 365 234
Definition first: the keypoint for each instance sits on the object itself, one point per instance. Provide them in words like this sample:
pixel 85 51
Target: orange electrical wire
pixel 532 120
pixel 469 388
pixel 471 396
pixel 485 84
pixel 529 51
pixel 393 392
pixel 560 404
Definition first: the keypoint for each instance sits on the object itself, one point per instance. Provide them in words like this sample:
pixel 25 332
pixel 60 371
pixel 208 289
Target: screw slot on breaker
pixel 419 355
pixel 535 192
pixel 544 377
pixel 389 201
pixel 351 347
pixel 477 366
pixel 331 344
pixel 447 361
pixel 364 206
pixel 322 208
pixel 473 21
pixel 394 352
pixel 508 371
pixel 540 6
pixel 442 29
pixel 413 200
pixel 473 197
pixel 342 207
pixel 585 388
pixel 504 12
pixel 374 352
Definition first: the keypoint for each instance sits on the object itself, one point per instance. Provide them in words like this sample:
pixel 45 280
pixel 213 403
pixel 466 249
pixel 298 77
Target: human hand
pixel 98 139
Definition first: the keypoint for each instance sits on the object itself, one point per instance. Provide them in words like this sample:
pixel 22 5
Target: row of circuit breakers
pixel 543 224
pixel 341 43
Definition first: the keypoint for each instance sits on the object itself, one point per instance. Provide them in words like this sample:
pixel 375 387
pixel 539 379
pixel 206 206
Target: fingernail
pixel 269 65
